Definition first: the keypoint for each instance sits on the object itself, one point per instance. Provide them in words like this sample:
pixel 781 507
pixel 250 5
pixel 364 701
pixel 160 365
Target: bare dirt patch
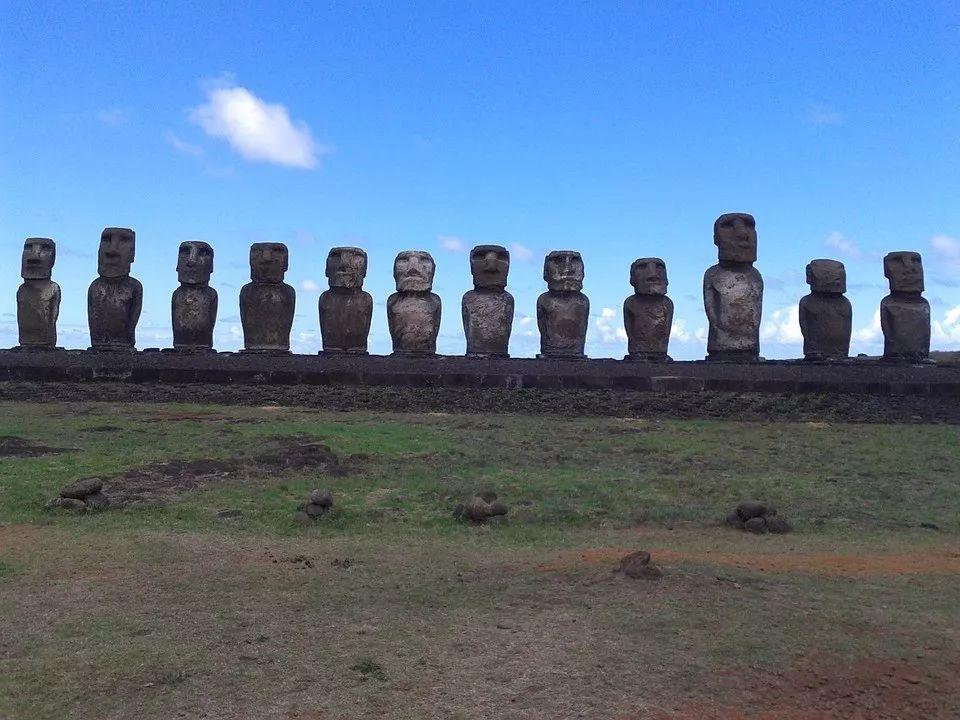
pixel 832 689
pixel 16 447
pixel 930 562
pixel 303 454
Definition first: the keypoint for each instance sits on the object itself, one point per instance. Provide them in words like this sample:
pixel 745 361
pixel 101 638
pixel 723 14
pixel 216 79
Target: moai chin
pixel 904 313
pixel 413 312
pixel 267 303
pixel 114 299
pixel 38 298
pixel 648 313
pixel 826 317
pixel 733 291
pixel 345 309
pixel 194 303
pixel 563 311
pixel 488 308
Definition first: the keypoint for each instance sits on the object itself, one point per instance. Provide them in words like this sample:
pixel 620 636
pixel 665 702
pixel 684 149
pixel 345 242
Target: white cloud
pixel 872 333
pixel 946 250
pixel 452 243
pixel 258 130
pixel 844 246
pixel 114 117
pixel 679 331
pixel 783 326
pixel 309 286
pixel 824 115
pixel 946 332
pixel 521 252
pixel 182 146
pixel 611 332
pixel 526 320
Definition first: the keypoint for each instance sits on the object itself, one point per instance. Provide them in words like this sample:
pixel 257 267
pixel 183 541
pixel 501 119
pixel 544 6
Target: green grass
pixel 404 612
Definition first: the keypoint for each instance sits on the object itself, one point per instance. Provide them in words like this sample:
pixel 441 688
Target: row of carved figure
pixel 732 294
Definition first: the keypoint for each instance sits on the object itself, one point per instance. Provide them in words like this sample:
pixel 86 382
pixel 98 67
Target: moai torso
pixel 826 316
pixel 413 312
pixel 488 309
pixel 114 299
pixel 733 291
pixel 267 304
pixel 38 298
pixel 904 313
pixel 563 311
pixel 648 313
pixel 345 309
pixel 194 303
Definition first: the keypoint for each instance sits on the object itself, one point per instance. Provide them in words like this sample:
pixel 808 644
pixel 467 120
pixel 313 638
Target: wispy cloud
pixel 783 326
pixel 946 252
pixel 452 243
pixel 521 252
pixel 182 146
pixel 611 332
pixel 818 114
pixel 114 117
pixel 309 286
pixel 843 245
pixel 260 131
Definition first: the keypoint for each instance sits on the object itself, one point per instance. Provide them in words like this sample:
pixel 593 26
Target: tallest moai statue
pixel 114 299
pixel 733 291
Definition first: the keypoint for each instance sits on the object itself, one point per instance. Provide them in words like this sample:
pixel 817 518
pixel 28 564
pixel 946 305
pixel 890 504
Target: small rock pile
pixel 637 565
pixel 319 504
pixel 481 508
pixel 82 495
pixel 758 518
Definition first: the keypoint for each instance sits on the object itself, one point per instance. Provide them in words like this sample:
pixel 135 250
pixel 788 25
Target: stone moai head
pixel 413 271
pixel 489 265
pixel 268 262
pixel 904 270
pixel 827 276
pixel 563 271
pixel 39 255
pixel 117 249
pixel 346 267
pixel 649 276
pixel 735 235
pixel 194 262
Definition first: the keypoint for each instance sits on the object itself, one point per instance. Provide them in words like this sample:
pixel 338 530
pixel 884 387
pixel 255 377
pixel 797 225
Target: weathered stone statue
pixel 114 299
pixel 413 312
pixel 194 304
pixel 563 311
pixel 267 303
pixel 733 291
pixel 38 298
pixel 648 313
pixel 488 308
pixel 345 309
pixel 904 313
pixel 826 317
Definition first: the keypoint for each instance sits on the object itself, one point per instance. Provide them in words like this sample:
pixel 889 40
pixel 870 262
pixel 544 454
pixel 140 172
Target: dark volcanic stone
pixel 97 501
pixel 637 565
pixel 487 495
pixel 476 509
pixel 323 498
pixel 82 488
pixel 302 518
pixel 734 520
pixel 66 504
pixel 778 525
pixel 498 509
pixel 228 514
pixel 749 510
pixel 314 510
pixel 756 525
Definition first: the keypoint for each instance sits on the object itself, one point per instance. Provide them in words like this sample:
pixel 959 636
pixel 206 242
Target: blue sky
pixel 617 129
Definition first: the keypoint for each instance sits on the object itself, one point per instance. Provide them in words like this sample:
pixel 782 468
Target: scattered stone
pixel 480 510
pixel 300 517
pixel 734 520
pixel 318 505
pixel 756 525
pixel 749 510
pixel 497 508
pixel 80 489
pixel 97 501
pixel 778 525
pixel 66 504
pixel 228 514
pixel 314 510
pixel 487 495
pixel 638 565
pixel 477 509
pixel 929 526
pixel 323 498
pixel 458 511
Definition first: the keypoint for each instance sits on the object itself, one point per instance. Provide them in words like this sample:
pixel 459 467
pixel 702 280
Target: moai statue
pixel 488 308
pixel 733 291
pixel 346 309
pixel 826 317
pixel 904 313
pixel 38 298
pixel 267 303
pixel 563 311
pixel 413 312
pixel 194 304
pixel 648 313
pixel 114 299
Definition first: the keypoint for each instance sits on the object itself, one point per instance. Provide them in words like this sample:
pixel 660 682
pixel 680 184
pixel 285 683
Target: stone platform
pixel 860 376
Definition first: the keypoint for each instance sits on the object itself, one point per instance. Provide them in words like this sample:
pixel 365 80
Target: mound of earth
pixel 17 447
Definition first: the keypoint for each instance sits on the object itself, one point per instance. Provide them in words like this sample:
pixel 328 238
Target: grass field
pixel 391 608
